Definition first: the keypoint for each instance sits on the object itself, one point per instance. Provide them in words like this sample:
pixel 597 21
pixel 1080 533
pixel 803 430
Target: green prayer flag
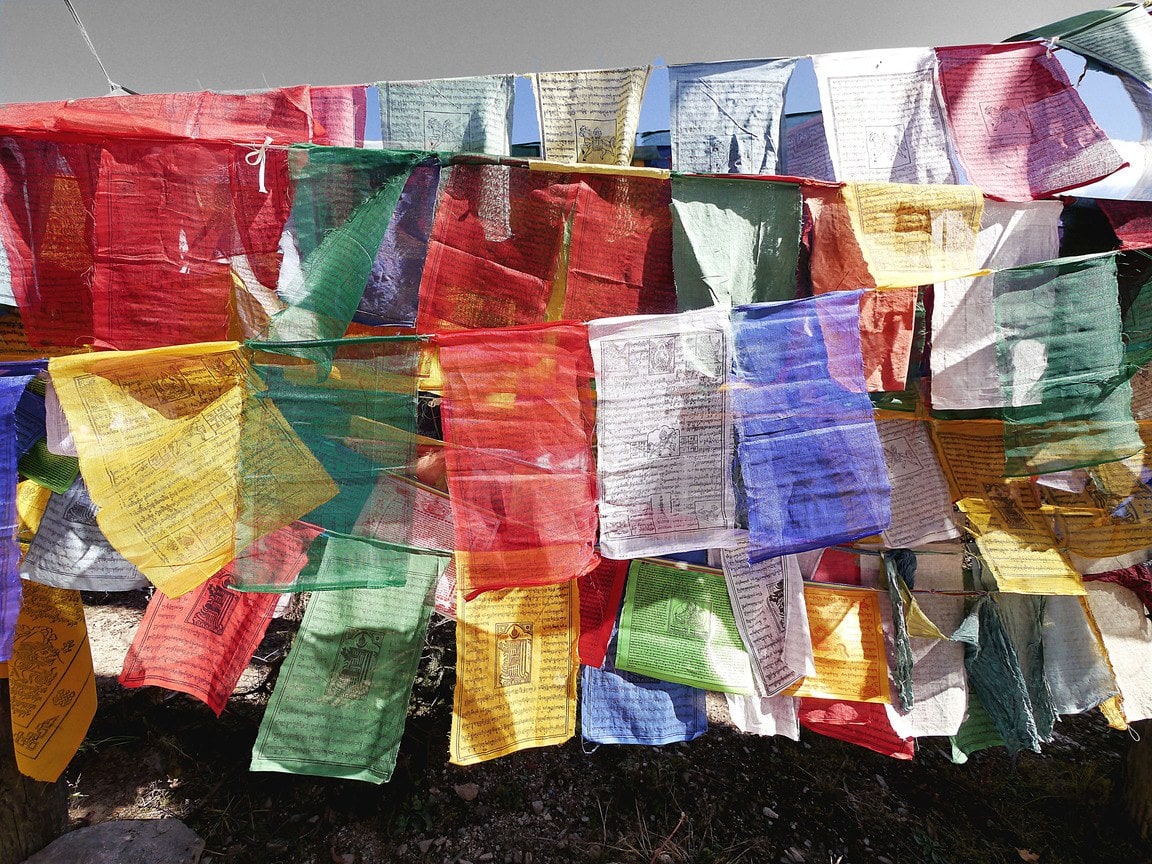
pixel 677 625
pixel 1062 366
pixel 339 707
pixel 734 241
pixel 48 469
pixel 343 200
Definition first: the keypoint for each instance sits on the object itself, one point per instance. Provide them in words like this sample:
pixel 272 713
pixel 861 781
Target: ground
pixel 726 797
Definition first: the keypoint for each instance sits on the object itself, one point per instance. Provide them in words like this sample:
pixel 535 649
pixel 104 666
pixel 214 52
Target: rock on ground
pixel 125 841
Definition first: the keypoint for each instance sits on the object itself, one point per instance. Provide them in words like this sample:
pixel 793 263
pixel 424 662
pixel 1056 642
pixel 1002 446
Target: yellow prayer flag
pixel 52 684
pixel 172 441
pixel 1012 534
pixel 914 235
pixel 847 646
pixel 516 671
pixel 158 433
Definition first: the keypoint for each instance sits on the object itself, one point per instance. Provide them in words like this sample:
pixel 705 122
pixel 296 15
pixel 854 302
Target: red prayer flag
pixel 494 250
pixel 600 593
pixel 518 422
pixel 865 724
pixel 620 254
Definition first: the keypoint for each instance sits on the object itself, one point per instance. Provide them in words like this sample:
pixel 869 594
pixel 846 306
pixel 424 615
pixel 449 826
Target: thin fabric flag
pixel 664 433
pixel 725 117
pixel 517 416
pixel 734 241
pixel 495 248
pixel 809 454
pixel 1119 37
pixel 159 436
pixel 457 115
pixel 806 147
pixel 620 251
pixel 199 643
pixel 339 707
pixel 590 116
pixel 1061 357
pixel 881 116
pixel 342 112
pixel 393 290
pixel 343 200
pixel 70 551
pixel 964 339
pixel 600 593
pixel 12 386
pixel 1020 129
pixel 618 707
pixel 316 438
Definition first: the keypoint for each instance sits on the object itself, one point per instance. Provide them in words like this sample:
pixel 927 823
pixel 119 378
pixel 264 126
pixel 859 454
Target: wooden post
pixel 32 814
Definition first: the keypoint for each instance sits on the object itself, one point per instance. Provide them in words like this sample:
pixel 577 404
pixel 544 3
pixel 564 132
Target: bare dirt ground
pixel 726 797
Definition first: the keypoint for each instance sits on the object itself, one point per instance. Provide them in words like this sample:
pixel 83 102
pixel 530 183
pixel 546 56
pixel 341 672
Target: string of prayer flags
pixel 881 116
pixel 848 652
pixel 590 116
pixel 343 200
pixel 316 437
pixel 459 115
pixel 517 419
pixel 12 385
pixel 516 668
pixel 725 117
pixel 600 593
pixel 734 241
pixel 341 700
pixel 1020 129
pixel 1120 37
pixel 1013 537
pixel 1060 358
pixel 677 625
pixel 495 248
pixel 965 370
pixel 620 251
pixel 52 684
pixel 70 551
pixel 392 294
pixel 810 457
pixel 199 643
pixel 664 433
pixel 158 432
pixel 619 707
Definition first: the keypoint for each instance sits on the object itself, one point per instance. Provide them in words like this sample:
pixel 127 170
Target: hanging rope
pixel 112 85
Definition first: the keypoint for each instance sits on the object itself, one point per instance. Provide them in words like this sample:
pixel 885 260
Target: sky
pixel 157 46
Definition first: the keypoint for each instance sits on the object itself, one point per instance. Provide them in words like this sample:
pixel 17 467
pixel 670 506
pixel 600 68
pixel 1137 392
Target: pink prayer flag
pixel 1019 127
